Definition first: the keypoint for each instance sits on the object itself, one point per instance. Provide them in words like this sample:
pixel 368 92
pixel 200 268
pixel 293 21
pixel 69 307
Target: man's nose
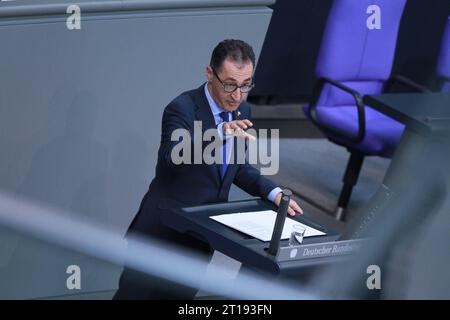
pixel 237 94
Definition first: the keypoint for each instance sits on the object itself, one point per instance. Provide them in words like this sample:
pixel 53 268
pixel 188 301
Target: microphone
pixel 279 222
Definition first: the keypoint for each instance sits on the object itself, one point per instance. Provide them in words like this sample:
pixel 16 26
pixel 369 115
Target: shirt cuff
pixel 273 194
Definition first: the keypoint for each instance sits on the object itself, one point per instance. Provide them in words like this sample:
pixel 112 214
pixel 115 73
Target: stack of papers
pixel 259 224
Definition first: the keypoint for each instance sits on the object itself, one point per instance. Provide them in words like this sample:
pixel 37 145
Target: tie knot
pixel 224 116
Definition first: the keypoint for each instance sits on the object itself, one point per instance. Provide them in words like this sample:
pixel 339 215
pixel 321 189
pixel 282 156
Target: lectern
pixel 252 252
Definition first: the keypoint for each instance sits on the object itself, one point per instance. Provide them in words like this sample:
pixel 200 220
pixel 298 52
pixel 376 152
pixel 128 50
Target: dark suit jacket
pixel 191 184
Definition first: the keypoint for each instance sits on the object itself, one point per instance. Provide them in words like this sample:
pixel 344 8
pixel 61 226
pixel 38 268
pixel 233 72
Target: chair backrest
pixel 443 67
pixel 355 53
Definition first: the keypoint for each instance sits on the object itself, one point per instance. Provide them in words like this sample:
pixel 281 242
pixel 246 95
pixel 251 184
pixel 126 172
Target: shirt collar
pixel 212 104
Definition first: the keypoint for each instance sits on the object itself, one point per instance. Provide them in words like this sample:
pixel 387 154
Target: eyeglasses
pixel 232 87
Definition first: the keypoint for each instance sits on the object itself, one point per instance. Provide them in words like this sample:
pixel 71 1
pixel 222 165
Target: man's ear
pixel 209 74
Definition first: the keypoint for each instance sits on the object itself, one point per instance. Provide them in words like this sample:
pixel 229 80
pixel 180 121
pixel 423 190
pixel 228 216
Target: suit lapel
pixel 205 115
pixel 203 112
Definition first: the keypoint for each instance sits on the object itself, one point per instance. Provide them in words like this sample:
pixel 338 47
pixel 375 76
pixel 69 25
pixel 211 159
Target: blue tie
pixel 225 118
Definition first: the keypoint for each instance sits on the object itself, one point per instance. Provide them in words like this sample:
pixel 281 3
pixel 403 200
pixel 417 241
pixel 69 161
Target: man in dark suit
pixel 219 105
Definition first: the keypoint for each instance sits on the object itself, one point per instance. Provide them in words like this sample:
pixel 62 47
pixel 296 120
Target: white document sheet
pixel 259 224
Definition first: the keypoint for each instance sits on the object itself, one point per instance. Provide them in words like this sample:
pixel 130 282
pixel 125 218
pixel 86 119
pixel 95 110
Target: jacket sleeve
pixel 251 181
pixel 176 119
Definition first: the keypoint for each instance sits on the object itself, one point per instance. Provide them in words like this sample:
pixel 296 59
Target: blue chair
pixel 443 66
pixel 354 61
